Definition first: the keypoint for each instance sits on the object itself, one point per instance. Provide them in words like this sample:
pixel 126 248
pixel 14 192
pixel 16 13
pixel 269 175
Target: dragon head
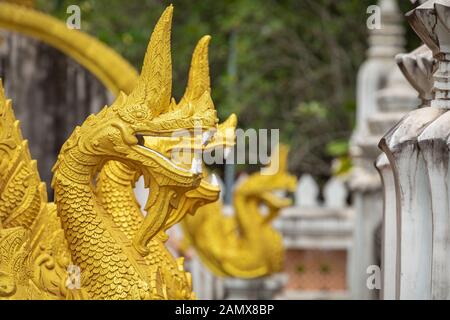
pixel 208 191
pixel 269 189
pixel 140 129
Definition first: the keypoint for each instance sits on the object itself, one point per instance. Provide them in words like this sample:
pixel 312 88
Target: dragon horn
pixel 2 91
pixel 199 81
pixel 230 122
pixel 154 86
pixel 3 101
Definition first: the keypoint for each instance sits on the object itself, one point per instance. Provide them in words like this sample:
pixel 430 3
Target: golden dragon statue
pixel 93 225
pixel 244 245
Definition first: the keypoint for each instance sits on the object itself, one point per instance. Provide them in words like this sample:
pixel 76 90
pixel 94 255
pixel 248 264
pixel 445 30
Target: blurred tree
pixel 296 61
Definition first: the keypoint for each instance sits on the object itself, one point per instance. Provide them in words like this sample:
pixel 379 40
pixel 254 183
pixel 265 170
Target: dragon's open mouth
pixel 185 149
pixel 207 192
pixel 154 152
pixel 181 156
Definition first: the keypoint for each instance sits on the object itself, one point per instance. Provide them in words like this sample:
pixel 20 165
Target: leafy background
pixel 284 64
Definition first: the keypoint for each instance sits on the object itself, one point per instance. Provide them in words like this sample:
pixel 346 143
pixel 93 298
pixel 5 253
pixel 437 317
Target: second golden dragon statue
pixel 120 255
pixel 244 245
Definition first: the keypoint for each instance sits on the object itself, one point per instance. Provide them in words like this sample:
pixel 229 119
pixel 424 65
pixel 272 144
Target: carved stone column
pixel 431 22
pixel 377 111
pixel 418 150
pixel 418 68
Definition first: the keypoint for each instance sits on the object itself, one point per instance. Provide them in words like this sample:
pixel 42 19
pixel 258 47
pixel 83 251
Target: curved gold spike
pixel 154 87
pixel 199 80
pixel 2 93
pixel 230 122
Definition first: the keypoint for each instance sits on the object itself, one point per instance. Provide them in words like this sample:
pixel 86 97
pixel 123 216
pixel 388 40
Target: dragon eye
pixel 138 112
pixel 139 115
pixel 134 113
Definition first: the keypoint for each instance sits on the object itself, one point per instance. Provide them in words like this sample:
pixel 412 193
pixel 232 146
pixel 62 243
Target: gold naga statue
pixel 95 224
pixel 244 245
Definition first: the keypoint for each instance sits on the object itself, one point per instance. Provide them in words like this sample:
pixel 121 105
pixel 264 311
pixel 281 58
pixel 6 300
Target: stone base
pixel 254 289
pixel 313 295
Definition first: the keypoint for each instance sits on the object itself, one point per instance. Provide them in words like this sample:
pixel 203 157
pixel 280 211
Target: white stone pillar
pixel 389 231
pixel 418 68
pixel 390 97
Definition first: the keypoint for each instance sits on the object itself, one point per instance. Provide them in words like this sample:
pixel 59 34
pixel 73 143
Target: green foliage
pixel 312 109
pixel 337 148
pixel 342 165
pixel 284 64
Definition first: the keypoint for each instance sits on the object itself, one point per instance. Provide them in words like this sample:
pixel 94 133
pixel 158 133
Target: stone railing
pixel 318 234
pixel 310 225
pixel 316 224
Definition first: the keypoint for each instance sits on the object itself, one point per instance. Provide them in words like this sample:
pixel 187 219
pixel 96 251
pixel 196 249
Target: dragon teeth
pixel 227 152
pixel 146 182
pixel 205 137
pixel 214 180
pixel 196 166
